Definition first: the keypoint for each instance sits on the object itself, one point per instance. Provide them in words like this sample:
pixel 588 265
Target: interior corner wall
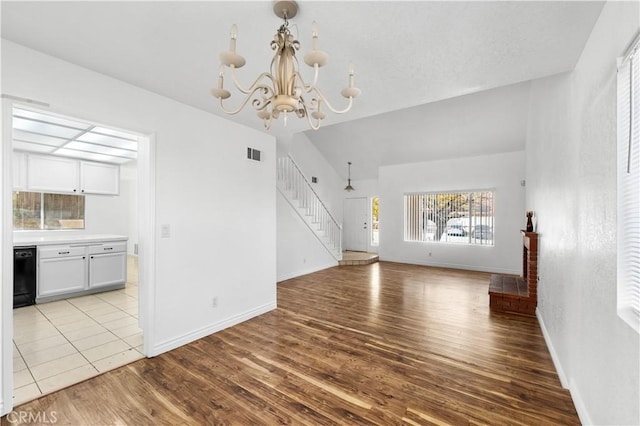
pixel 298 250
pixel 312 163
pixel 214 226
pixel 502 173
pixel 571 185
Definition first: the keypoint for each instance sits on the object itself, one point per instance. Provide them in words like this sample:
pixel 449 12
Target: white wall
pixel 299 251
pixel 500 172
pixel 219 205
pixel 571 184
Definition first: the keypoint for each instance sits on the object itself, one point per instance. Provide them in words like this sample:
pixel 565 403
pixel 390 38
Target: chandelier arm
pixel 307 88
pixel 336 111
pixel 244 102
pixel 255 85
pixel 306 114
pixel 313 126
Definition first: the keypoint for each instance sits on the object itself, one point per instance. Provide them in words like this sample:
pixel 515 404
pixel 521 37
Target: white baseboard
pixel 566 383
pixel 289 275
pixel 176 342
pixel 554 355
pixel 451 265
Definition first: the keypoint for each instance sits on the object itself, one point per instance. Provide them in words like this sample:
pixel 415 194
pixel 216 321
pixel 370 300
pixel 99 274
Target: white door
pixel 355 227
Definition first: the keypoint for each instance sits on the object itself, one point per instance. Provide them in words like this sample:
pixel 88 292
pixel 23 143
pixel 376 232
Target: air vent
pixel 253 154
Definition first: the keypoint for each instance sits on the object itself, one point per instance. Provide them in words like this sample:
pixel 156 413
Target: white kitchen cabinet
pixel 76 269
pixel 99 178
pixel 19 171
pixel 61 270
pixel 107 264
pixel 47 173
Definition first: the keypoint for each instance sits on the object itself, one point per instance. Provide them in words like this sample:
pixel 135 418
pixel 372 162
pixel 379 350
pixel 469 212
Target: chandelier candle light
pixel 283 90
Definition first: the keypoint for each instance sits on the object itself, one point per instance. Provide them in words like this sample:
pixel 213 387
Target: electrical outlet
pixel 214 302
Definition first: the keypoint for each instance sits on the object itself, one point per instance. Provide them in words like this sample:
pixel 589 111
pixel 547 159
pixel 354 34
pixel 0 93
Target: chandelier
pixel 283 90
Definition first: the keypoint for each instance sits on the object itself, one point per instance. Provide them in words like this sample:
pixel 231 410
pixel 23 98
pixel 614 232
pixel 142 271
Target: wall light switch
pixel 165 231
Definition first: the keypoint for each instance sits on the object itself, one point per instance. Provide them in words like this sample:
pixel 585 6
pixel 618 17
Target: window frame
pixel 628 188
pixel 470 223
pixel 43 213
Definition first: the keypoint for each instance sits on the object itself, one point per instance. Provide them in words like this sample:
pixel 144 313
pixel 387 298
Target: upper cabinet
pixel 99 178
pixel 46 173
pixel 52 174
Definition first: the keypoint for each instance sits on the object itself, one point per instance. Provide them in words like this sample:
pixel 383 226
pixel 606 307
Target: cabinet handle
pixel 63 252
pixel 74 190
pixel 108 248
pixel 91 257
pixel 84 257
pixel 83 190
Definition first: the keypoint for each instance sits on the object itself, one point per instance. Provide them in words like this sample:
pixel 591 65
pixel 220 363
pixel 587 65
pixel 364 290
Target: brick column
pixel 530 263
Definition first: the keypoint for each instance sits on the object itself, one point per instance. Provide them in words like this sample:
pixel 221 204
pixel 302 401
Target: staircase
pixel 299 193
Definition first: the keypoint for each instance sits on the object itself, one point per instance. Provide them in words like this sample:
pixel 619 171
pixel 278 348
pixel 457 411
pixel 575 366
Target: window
pixel 628 171
pixel 39 211
pixel 375 222
pixel 450 217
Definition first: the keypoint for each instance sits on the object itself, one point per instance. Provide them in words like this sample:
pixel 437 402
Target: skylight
pixel 47 134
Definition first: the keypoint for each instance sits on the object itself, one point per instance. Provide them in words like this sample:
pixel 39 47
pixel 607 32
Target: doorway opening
pixel 88 321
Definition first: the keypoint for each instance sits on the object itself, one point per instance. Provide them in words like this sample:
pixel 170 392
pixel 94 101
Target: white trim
pixel 6 260
pixel 554 355
pixel 176 342
pixel 301 272
pixel 477 268
pixel 567 383
pixel 147 241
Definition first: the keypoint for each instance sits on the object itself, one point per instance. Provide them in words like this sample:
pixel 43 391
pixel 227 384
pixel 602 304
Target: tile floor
pixel 60 343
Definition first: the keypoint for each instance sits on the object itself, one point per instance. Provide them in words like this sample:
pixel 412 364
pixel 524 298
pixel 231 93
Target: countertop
pixel 20 239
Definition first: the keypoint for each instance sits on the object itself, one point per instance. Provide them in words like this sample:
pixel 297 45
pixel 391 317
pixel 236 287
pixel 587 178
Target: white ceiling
pixel 406 54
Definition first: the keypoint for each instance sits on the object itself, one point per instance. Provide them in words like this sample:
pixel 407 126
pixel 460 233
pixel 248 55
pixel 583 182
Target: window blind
pixel 628 171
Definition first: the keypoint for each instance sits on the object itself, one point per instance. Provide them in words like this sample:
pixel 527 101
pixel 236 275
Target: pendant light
pixel 349 187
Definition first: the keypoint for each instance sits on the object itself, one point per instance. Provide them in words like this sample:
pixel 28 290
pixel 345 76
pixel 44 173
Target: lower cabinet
pixel 107 265
pixel 71 270
pixel 61 270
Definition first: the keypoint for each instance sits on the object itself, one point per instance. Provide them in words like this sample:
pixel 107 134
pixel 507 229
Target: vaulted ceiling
pixel 439 79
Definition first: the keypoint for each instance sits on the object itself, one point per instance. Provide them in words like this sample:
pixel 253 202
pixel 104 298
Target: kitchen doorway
pixel 55 344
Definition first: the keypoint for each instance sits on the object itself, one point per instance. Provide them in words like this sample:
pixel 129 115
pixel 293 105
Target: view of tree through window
pixel 375 222
pixel 36 210
pixel 453 217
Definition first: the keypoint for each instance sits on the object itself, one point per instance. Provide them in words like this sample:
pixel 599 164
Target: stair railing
pixel 292 181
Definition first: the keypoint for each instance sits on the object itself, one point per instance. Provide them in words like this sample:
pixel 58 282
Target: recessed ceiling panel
pixel 40 132
pixel 101 139
pixel 23 136
pixel 45 128
pixel 32 147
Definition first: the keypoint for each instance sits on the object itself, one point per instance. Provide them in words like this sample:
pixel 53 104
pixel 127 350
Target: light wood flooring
pixel 378 344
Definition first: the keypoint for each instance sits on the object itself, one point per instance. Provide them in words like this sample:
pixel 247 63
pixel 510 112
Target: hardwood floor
pixel 377 344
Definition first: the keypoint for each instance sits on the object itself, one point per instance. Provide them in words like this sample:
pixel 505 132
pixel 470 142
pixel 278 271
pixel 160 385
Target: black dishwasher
pixel 24 276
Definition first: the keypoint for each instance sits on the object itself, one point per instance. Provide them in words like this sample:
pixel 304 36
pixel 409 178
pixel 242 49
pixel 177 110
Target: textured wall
pixel 571 184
